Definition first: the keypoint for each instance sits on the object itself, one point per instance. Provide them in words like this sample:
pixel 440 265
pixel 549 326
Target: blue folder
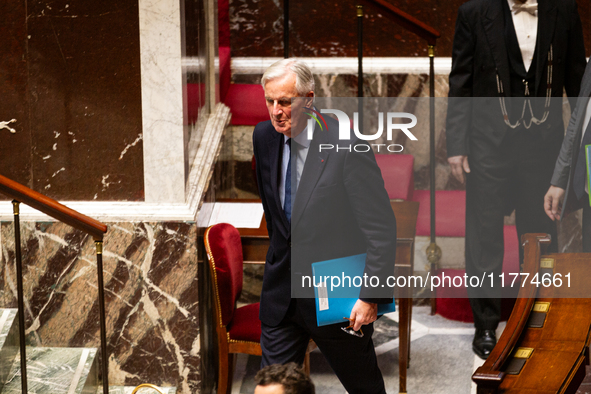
pixel 334 303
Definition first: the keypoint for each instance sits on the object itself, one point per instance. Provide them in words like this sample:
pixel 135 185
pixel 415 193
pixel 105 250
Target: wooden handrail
pixel 490 375
pixel 52 208
pixel 410 23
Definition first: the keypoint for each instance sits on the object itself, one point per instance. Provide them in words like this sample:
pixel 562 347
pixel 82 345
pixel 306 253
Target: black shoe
pixel 484 342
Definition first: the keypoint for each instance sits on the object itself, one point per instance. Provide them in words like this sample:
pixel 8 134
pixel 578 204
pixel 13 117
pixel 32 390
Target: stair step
pixel 8 341
pixel 56 371
pixel 129 390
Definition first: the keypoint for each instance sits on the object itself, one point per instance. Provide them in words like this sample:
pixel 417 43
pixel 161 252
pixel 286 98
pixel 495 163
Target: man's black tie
pixel 581 166
pixel 287 200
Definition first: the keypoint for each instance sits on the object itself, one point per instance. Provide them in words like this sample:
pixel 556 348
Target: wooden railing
pixel 490 375
pixel 409 22
pixel 52 208
pixel 545 344
pixel 22 194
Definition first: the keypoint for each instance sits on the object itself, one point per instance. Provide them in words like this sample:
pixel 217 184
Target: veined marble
pixel 151 296
pixel 9 342
pixel 162 100
pixel 56 371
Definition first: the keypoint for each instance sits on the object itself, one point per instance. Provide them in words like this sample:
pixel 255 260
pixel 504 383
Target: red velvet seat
pixel 238 329
pixel 398 175
pixel 225 71
pixel 195 99
pixel 247 104
pixel 450 211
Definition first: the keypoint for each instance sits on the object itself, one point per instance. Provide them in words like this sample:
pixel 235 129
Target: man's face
pixel 269 389
pixel 286 115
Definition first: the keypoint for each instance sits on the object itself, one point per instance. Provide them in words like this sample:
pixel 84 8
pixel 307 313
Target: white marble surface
pixel 162 101
pixel 9 341
pixel 206 155
pixel 348 65
pixel 56 371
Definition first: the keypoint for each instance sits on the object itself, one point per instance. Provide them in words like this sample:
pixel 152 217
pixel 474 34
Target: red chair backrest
pixel 224 250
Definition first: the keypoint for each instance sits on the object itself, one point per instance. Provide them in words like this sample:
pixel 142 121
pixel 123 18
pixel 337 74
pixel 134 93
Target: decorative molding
pixel 347 65
pixel 123 211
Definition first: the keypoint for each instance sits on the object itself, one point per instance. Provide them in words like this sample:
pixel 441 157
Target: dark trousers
pixel 513 176
pixel 353 359
pixel 586 226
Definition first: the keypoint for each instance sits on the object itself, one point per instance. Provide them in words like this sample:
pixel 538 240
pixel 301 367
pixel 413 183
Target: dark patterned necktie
pixel 287 200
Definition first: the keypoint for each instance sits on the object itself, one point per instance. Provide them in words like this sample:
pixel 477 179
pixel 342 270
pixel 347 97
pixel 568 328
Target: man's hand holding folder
pixel 363 313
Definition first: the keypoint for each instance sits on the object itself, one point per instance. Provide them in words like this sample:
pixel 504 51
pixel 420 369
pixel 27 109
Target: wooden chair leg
pixel 223 372
pixel 231 369
pixel 306 365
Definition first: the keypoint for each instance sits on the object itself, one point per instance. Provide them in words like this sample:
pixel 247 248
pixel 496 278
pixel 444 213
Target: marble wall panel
pixel 75 66
pixel 13 90
pixel 151 288
pixel 321 28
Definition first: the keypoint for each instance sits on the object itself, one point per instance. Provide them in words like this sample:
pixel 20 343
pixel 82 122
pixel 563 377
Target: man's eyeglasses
pixel 349 329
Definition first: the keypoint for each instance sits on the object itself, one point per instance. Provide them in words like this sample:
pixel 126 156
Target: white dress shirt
pixel 526 28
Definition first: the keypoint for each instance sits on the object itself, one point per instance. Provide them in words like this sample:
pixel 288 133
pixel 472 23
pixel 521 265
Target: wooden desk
pixel 555 348
pixel 255 243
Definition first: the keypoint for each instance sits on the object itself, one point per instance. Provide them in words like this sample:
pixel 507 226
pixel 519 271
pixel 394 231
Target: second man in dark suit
pixel 570 171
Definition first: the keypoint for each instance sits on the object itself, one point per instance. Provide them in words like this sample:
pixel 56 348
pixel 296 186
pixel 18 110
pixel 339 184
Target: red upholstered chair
pixel 238 329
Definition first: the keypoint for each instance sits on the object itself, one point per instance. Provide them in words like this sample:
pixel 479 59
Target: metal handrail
pixel 409 22
pixel 22 194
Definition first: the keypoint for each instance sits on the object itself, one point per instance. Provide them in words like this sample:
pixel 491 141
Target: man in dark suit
pixel 505 54
pixel 570 171
pixel 340 208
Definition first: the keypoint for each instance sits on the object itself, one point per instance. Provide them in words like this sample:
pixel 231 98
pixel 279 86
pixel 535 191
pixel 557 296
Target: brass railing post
pixel 20 295
pixel 433 250
pixel 359 51
pixel 102 315
pixel 360 81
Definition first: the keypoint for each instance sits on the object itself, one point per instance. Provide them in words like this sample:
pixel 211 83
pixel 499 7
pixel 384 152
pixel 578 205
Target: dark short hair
pixel 291 376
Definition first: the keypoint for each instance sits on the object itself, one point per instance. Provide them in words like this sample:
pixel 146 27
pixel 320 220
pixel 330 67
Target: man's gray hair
pixel 304 76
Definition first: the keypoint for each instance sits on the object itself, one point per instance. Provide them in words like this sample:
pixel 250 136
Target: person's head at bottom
pixel 283 379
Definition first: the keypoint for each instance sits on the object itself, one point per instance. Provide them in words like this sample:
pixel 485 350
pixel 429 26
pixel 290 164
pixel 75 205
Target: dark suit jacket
pixel 341 208
pixel 480 52
pixel 569 152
